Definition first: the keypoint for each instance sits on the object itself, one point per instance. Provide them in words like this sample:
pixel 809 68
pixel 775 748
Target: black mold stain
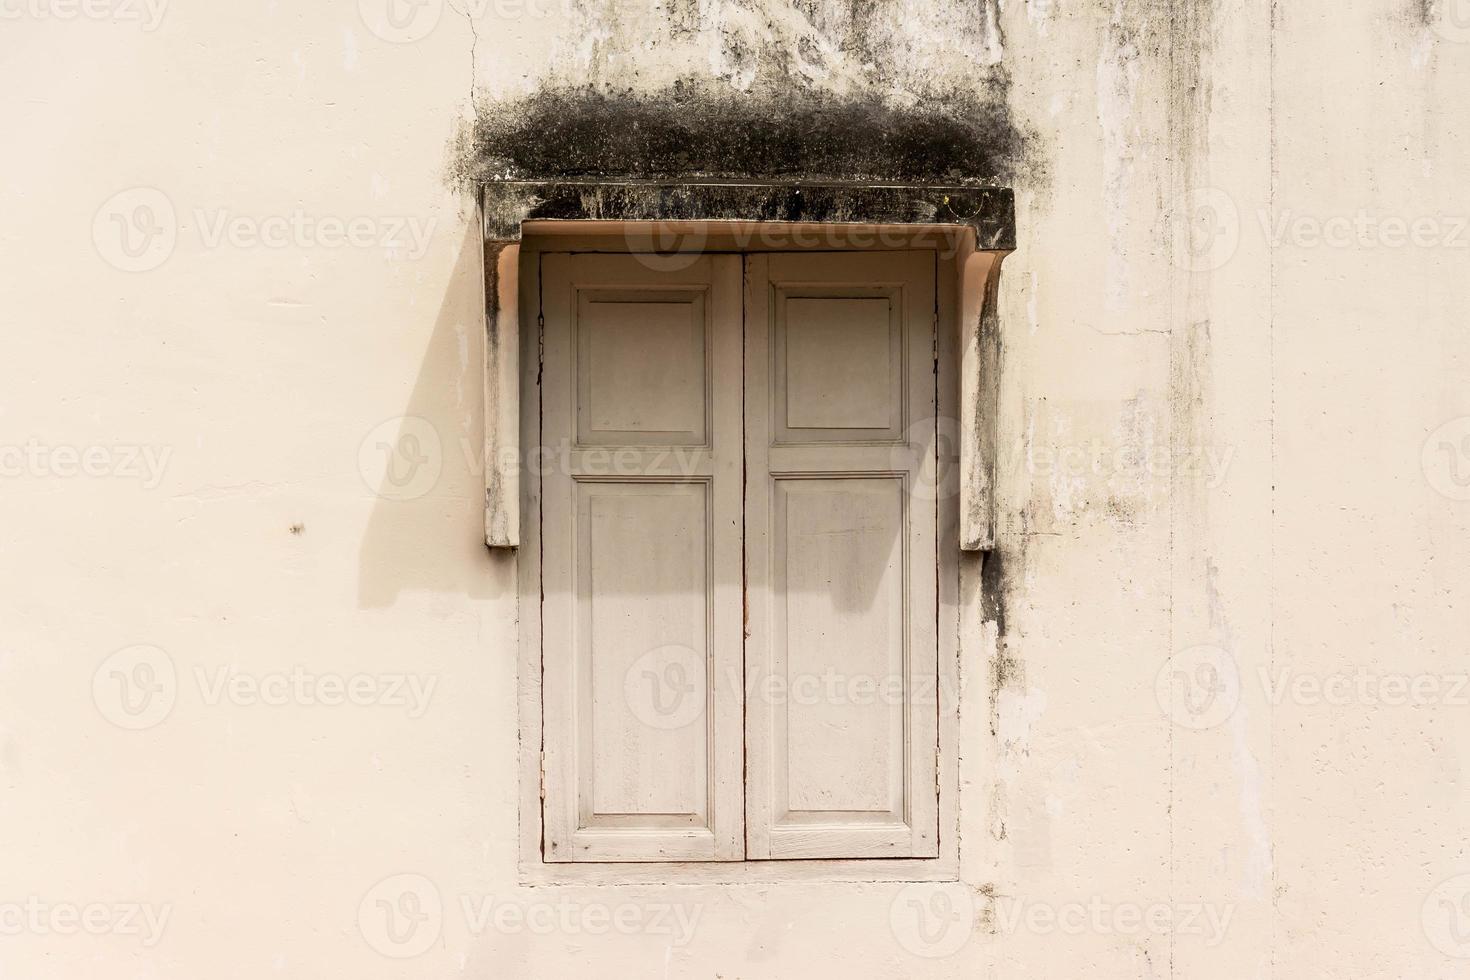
pixel 1006 672
pixel 999 575
pixel 683 17
pixel 992 590
pixel 695 130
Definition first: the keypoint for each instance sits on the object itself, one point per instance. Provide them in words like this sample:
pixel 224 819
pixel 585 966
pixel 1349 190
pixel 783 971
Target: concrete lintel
pixel 990 211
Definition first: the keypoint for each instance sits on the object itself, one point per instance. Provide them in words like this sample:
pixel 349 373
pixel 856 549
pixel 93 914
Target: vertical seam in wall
pixel 1174 186
pixel 1271 430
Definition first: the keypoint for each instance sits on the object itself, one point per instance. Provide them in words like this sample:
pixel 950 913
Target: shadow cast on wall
pixel 425 464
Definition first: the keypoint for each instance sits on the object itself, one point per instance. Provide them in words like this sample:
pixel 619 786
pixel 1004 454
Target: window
pixel 737 556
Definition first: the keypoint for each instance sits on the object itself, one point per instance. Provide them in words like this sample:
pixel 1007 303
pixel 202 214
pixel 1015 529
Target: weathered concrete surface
pixel 989 212
pixel 1173 298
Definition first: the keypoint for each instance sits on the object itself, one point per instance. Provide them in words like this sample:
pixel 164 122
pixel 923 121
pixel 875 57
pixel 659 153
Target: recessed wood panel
pixel 839 645
pixel 641 369
pixel 642 644
pixel 640 560
pixel 837 364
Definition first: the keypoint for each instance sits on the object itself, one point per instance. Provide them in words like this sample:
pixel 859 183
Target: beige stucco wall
pixel 190 438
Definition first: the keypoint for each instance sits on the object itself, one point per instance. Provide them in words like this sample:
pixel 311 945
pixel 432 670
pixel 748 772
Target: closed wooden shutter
pixel 739 579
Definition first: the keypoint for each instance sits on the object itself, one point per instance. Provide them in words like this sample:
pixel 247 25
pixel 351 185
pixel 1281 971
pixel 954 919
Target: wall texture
pixel 257 686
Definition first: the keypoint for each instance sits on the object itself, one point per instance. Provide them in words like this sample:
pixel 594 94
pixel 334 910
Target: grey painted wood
pixel 641 586
pixel 842 727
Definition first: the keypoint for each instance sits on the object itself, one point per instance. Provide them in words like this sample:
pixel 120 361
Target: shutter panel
pixel 841 652
pixel 641 482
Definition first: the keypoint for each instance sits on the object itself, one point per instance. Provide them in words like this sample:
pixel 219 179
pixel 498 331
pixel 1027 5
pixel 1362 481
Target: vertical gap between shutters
pixel 938 537
pixel 539 517
pixel 744 568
